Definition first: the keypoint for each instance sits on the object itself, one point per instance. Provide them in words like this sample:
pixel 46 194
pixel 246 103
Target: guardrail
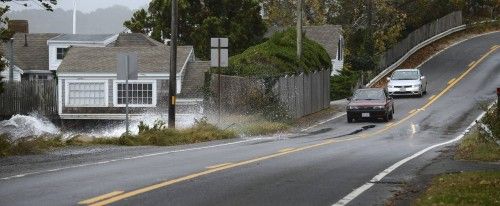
pixel 451 23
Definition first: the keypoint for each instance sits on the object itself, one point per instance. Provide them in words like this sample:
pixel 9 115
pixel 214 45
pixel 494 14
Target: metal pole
pixel 299 29
pixel 219 79
pixel 11 60
pixel 74 16
pixel 498 103
pixel 172 89
pixel 126 96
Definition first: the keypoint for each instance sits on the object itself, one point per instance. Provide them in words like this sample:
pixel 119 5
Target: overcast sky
pixel 83 5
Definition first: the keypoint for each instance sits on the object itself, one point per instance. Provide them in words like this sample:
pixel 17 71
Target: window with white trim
pixel 86 94
pixel 140 93
pixel 61 53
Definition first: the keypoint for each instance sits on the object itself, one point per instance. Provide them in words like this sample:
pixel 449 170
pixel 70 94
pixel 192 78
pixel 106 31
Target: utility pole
pixel 370 14
pixel 299 29
pixel 172 88
pixel 11 59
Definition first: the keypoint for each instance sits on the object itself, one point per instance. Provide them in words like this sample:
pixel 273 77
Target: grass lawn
pixel 468 188
pixel 158 135
pixel 476 147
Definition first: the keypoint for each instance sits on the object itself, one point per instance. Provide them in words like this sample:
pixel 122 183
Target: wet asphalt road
pixel 317 167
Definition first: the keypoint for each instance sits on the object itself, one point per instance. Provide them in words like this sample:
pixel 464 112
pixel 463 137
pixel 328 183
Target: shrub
pixel 277 57
pixel 342 85
pixel 160 135
pixel 28 145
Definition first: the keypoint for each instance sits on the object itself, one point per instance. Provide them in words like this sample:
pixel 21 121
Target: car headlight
pixel 378 107
pixel 416 85
pixel 390 86
pixel 352 107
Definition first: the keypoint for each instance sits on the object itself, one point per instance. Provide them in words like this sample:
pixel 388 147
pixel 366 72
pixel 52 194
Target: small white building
pixel 17 74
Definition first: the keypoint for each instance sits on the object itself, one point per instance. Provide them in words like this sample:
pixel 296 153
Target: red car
pixel 370 103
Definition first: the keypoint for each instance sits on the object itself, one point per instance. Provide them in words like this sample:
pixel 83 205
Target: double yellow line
pixel 120 195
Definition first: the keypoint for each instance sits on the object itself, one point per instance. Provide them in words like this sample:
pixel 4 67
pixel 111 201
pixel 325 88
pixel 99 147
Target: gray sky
pixel 83 5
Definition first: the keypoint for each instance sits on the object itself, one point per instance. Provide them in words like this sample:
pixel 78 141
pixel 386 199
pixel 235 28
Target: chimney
pixel 19 26
pixel 25 40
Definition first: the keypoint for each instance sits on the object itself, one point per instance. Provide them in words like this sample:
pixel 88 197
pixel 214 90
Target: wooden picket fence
pixel 29 96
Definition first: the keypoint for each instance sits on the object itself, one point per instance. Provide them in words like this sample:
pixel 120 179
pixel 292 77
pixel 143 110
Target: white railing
pixel 180 75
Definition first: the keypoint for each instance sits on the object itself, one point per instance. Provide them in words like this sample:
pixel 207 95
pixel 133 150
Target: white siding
pixel 17 74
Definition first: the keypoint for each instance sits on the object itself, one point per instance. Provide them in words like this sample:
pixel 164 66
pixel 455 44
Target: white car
pixel 407 82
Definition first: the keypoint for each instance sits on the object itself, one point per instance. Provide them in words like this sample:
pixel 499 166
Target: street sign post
pixel 127 70
pixel 219 57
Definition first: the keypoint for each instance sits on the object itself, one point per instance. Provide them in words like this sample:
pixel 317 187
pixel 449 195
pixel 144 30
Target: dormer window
pixel 61 52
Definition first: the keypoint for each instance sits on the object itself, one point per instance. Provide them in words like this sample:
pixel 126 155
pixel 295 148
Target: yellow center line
pixel 283 153
pixel 99 198
pixel 432 97
pixel 459 78
pixel 451 81
pixel 413 110
pixel 388 125
pixel 219 165
pixel 472 63
pixel 287 149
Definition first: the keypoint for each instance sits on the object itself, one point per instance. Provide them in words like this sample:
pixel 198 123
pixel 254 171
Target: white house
pixel 59 45
pixel 37 56
pixel 89 89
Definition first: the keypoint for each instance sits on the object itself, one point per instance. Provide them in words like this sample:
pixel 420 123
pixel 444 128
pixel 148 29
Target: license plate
pixel 403 89
pixel 365 114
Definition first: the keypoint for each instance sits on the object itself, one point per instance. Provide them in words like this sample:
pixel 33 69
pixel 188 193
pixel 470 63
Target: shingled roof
pixel 326 35
pixel 135 40
pixel 104 59
pixel 32 54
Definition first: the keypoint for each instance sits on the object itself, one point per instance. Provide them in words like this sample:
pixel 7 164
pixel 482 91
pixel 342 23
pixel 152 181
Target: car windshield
pixel 405 75
pixel 369 95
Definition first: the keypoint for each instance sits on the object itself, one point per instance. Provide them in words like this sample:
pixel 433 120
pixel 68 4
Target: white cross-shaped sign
pixel 219 52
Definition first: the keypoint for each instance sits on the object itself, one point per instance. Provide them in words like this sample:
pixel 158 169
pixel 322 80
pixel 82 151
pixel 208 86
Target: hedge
pixel 278 57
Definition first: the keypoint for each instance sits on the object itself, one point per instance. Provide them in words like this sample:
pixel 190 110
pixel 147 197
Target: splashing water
pixel 33 125
pixel 20 126
pixel 117 129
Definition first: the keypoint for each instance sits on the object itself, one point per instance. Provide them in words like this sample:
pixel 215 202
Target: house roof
pixel 326 35
pixel 34 55
pixel 135 40
pixel 104 60
pixel 83 38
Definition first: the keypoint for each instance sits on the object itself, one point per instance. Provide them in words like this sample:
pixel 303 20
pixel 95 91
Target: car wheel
pixel 425 89
pixel 386 117
pixel 350 119
pixel 421 94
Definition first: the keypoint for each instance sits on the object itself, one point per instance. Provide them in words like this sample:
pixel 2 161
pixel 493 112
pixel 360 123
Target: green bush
pixel 28 145
pixel 342 85
pixel 278 57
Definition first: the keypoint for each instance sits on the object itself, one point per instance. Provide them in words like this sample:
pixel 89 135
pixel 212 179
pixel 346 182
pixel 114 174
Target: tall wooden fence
pixel 29 96
pixel 300 94
pixel 418 36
